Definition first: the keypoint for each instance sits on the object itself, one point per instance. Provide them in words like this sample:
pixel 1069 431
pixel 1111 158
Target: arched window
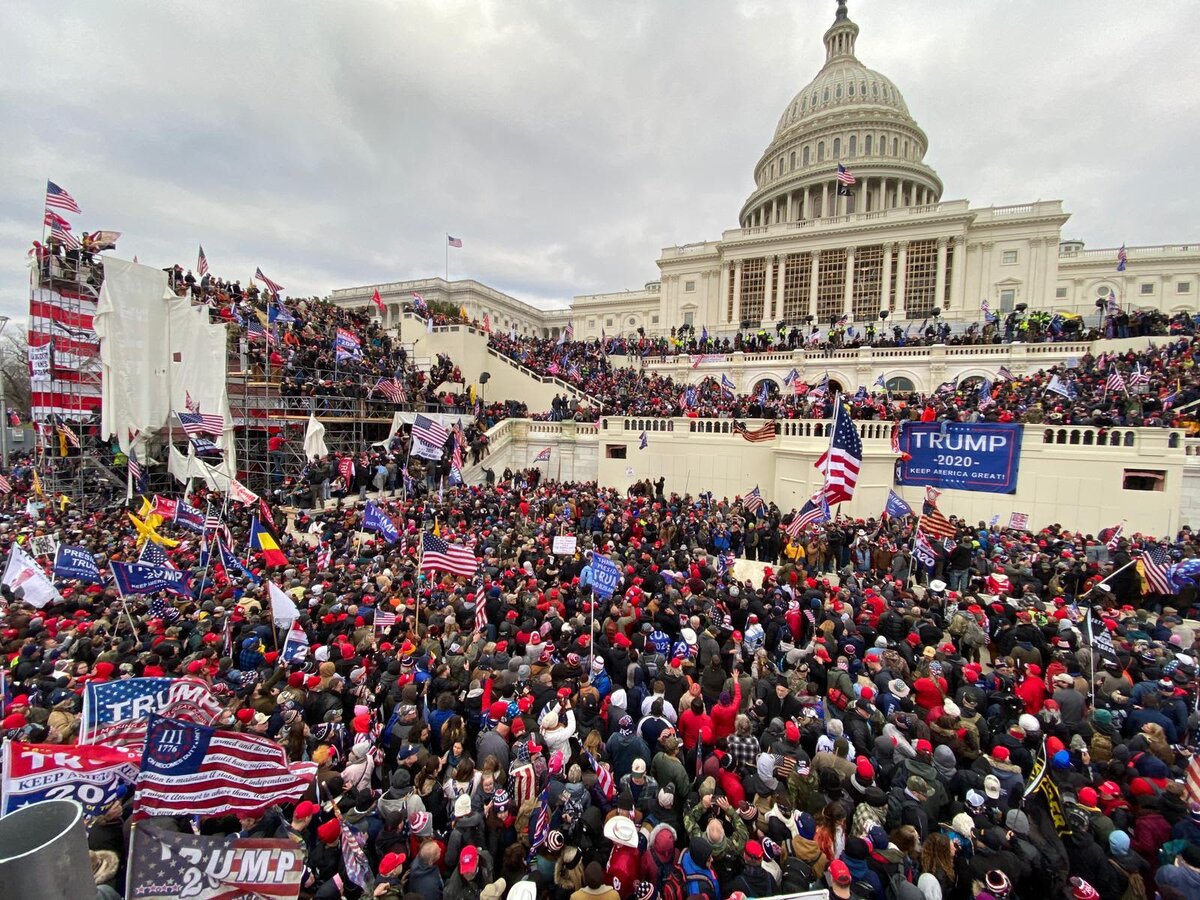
pixel 895 146
pixel 820 151
pixel 851 89
pixel 804 157
pixel 772 171
pixel 862 89
pixel 837 148
pixel 792 161
pixel 826 95
pixel 900 384
pixel 853 146
pixel 875 89
pixel 867 145
pixel 883 145
pixel 838 92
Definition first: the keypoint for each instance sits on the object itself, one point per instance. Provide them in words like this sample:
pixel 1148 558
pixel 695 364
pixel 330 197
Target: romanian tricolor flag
pixel 261 540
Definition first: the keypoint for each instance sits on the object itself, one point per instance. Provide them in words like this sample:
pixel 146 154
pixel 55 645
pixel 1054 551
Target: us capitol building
pixel 804 249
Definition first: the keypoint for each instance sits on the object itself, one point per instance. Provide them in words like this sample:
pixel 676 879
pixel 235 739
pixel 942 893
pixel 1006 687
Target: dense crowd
pixel 1155 384
pixel 829 723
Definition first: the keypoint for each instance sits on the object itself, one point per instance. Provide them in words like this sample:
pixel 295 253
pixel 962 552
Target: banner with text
pixel 166 866
pixel 92 776
pixel 961 456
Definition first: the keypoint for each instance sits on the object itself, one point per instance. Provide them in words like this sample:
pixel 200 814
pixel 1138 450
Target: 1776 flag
pixel 843 460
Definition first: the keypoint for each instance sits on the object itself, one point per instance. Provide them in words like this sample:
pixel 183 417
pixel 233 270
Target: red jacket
pixel 723 717
pixel 926 694
pixel 690 724
pixel 623 868
pixel 1033 692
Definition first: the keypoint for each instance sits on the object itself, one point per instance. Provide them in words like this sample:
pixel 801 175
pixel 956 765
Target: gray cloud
pixel 566 143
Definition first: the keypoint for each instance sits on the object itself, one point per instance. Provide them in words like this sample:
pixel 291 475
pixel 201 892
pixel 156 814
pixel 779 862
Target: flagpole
pixel 446 247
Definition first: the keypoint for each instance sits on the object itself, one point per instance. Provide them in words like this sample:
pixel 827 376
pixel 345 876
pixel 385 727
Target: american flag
pixel 438 554
pixel 1115 382
pixel 765 432
pixel 725 562
pixel 1122 259
pixel 1139 375
pixel 202 263
pixel 1003 374
pixel 63 234
pixel 481 619
pixel 255 331
pixel 354 858
pixel 419 303
pixel 154 555
pixel 67 434
pixel 843 460
pixel 934 523
pixel 429 432
pixel 540 824
pixel 5 485
pixel 196 424
pixel 392 389
pixel 384 619
pixel 844 175
pixel 487 323
pixel 324 557
pixel 814 511
pixel 570 332
pixel 53 220
pixel 1114 539
pixel 59 198
pixel 1191 779
pixel 819 391
pixel 728 386
pixel 271 285
pixel 754 501
pixel 543 456
pixel 1154 569
pixel 454 242
pixel 643 441
pixel 604 778
pixel 986 309
pixel 195 770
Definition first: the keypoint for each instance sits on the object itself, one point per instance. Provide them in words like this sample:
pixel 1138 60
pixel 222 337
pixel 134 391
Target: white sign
pixel 564 544
pixel 629 473
pixel 43 545
pixel 39 363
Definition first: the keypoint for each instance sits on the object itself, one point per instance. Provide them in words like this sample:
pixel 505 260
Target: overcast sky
pixel 566 143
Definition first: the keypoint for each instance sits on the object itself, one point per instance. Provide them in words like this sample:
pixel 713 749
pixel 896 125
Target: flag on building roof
pixel 59 198
pixel 439 554
pixel 262 541
pixel 1122 259
pixel 194 770
pixel 201 263
pixel 842 462
pixel 844 175
pixel 271 285
pixel 543 456
pixel 454 242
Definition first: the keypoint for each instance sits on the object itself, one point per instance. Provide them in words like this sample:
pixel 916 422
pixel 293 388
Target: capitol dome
pixel 849 115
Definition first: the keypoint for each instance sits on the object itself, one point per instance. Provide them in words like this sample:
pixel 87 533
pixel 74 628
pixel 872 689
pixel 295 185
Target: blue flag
pixel 605 575
pixel 76 564
pixel 232 565
pixel 643 441
pixel 376 520
pixel 896 506
pixel 140 578
pixel 189 517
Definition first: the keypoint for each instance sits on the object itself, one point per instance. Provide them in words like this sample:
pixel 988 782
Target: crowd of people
pixel 831 722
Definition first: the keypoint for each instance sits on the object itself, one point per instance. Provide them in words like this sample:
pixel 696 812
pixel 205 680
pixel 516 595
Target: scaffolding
pixel 65 385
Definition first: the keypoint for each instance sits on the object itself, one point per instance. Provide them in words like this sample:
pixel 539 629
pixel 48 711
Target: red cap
pixel 792 731
pixel 468 860
pixel 754 850
pixel 362 723
pixel 1087 796
pixel 863 769
pixel 839 873
pixel 497 710
pixel 1110 789
pixel 1000 752
pixel 390 863
pixel 305 809
pixel 244 715
pixel 312 682
pixel 923 746
pixel 328 832
pixel 296 679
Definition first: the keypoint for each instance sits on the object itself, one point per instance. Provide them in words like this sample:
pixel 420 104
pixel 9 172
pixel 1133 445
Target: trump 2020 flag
pixel 896 507
pixel 376 520
pixel 296 645
pixel 194 770
pixel 89 775
pixel 76 564
pixel 25 578
pixel 107 704
pixel 167 865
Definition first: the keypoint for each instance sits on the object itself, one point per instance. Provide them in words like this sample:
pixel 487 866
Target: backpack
pixel 895 811
pixel 1101 748
pixel 687 887
pixel 796 876
pixel 958 625
pixel 1136 888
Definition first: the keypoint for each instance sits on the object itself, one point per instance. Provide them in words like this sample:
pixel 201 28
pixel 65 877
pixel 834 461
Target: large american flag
pixel 1191 779
pixel 438 554
pixel 814 511
pixel 1115 382
pixel 1139 375
pixel 59 198
pixel 5 485
pixel 481 619
pixel 384 619
pixel 194 770
pixel 934 523
pixel 392 389
pixel 429 432
pixel 255 330
pixel 196 424
pixel 765 432
pixel 543 456
pixel 271 285
pixel 1154 569
pixel 754 501
pixel 842 462
pixel 202 263
pixel 844 175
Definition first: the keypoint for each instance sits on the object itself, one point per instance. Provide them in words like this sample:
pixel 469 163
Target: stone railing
pixel 1069 253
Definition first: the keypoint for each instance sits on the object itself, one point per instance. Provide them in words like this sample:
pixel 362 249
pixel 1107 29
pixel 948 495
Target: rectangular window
pixel 608 322
pixel 654 320
pixel 1144 480
pixel 1060 293
pixel 831 285
pixel 868 280
pixel 1147 288
pixel 797 270
pixel 1183 287
pixel 614 451
pixel 689 318
pixel 754 283
pixel 920 278
pixel 1009 258
pixel 591 324
pixel 1008 297
pixel 689 287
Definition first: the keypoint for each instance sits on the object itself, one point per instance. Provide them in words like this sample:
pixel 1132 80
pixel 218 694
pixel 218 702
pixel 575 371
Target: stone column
pixel 825 200
pixel 807 211
pixel 848 290
pixel 723 314
pixel 780 272
pixel 886 283
pixel 958 269
pixel 737 294
pixel 939 281
pixel 901 262
pixel 768 282
pixel 812 284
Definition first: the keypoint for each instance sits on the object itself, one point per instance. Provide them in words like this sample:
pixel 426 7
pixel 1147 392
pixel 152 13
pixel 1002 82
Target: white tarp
pixel 314 439
pixel 156 350
pixel 407 418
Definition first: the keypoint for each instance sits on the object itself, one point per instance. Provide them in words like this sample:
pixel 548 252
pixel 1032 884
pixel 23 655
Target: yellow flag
pixel 437 528
pixel 462 311
pixel 144 509
pixel 37 485
pixel 63 502
pixel 471 394
pixel 146 532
